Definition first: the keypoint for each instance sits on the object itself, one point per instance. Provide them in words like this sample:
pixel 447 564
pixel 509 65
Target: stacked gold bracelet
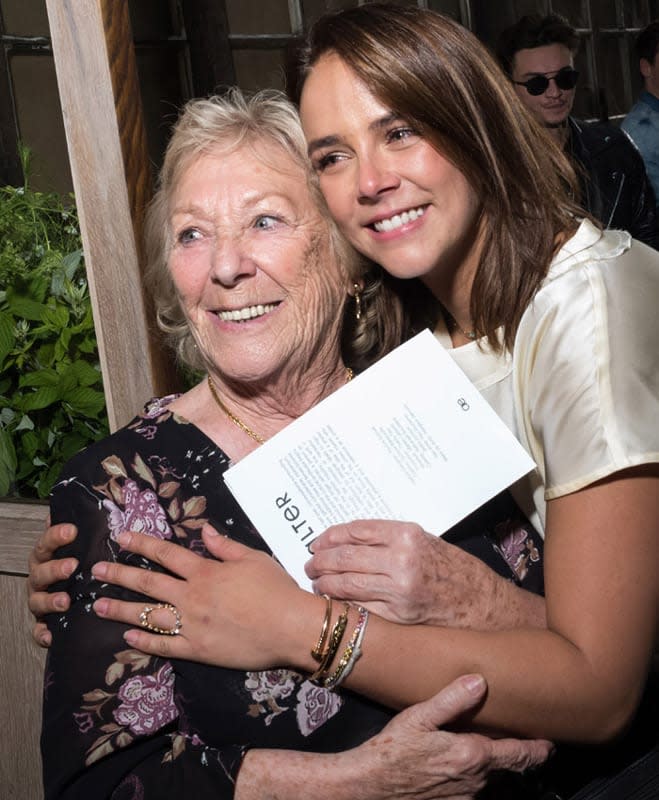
pixel 352 652
pixel 350 655
pixel 325 658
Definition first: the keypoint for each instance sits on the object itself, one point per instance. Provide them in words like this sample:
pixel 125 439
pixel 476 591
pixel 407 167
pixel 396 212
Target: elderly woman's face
pixel 252 263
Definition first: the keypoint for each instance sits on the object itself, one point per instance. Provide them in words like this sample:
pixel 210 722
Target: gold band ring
pixel 144 619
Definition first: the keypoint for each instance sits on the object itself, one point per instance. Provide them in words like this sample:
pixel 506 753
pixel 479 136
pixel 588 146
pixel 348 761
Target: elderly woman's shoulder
pixel 149 432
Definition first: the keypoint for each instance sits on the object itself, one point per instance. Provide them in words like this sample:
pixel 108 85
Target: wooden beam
pixel 97 79
pixel 20 526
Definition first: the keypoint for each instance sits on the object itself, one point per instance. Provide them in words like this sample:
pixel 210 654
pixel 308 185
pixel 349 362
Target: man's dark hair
pixel 534 31
pixel 647 42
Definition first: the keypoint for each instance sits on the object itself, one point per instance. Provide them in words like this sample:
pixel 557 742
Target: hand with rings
pixel 145 620
pixel 238 610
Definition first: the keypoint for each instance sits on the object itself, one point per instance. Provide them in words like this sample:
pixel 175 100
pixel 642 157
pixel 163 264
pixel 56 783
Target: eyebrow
pixel 334 139
pixel 549 74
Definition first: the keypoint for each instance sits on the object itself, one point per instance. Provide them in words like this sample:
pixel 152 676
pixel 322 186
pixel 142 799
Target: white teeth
pixel 249 312
pixel 399 219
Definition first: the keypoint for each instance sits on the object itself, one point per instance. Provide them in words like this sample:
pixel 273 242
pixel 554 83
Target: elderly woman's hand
pixel 406 575
pixel 412 758
pixel 44 571
pixel 242 611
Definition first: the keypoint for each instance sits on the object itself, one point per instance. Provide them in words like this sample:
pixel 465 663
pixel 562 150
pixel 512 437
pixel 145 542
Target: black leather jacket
pixel 615 187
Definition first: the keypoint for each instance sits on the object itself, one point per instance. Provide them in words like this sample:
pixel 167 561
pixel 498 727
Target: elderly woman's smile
pixel 248 245
pixel 246 313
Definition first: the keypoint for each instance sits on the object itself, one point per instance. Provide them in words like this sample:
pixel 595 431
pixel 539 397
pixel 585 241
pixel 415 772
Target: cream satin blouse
pixel 581 388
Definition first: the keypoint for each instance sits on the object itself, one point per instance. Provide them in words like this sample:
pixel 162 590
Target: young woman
pixel 433 169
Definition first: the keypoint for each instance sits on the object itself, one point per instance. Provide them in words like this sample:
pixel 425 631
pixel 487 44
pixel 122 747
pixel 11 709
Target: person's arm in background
pixel 645 223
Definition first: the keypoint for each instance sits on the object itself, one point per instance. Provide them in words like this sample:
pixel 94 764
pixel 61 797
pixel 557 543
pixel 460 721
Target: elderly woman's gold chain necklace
pixel 236 420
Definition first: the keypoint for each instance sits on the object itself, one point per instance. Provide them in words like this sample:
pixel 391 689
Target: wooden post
pixel 97 79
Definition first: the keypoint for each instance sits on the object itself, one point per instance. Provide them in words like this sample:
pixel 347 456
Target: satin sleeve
pixel 586 372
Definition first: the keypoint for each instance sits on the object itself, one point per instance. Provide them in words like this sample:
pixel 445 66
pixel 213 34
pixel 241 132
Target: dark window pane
pixel 586 100
pixel 575 12
pixel 25 17
pixel 312 9
pixel 604 14
pixel 449 7
pixel 255 16
pixel 154 19
pixel 609 61
pixel 635 15
pixel 259 69
pixel 39 119
pixel 161 78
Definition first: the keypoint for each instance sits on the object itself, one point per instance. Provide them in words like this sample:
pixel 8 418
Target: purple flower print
pixel 275 684
pixel 315 706
pixel 142 512
pixel 157 405
pixel 85 722
pixel 517 551
pixel 147 702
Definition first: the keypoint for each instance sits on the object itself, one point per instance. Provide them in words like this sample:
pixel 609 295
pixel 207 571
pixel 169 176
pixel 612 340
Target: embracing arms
pixel 580 679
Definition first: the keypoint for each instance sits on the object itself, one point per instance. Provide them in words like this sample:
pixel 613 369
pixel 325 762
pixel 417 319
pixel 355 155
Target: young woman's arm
pixel 579 680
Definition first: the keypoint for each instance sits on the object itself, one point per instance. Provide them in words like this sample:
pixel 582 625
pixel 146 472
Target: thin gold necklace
pixel 237 421
pixel 452 325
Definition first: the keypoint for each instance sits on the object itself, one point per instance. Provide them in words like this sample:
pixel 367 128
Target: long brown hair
pixel 441 78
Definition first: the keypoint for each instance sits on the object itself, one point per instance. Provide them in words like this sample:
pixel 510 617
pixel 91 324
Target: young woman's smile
pixel 396 198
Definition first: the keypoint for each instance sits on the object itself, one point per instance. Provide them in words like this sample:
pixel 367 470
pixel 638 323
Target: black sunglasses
pixel 565 79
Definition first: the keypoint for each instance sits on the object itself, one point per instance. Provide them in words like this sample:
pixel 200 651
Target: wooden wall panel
pixel 21 679
pixel 97 80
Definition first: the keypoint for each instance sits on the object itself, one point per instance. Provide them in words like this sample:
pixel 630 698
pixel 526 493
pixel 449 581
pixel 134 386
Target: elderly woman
pixel 433 169
pixel 252 282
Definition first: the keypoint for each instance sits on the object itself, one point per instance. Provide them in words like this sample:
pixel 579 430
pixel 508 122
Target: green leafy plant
pixel 51 393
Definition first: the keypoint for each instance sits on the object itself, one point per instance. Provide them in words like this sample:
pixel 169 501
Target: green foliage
pixel 51 393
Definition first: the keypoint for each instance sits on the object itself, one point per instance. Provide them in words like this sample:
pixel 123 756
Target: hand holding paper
pixel 410 439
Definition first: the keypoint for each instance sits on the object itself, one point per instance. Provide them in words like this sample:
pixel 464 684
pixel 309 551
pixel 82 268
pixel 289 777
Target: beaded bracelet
pixel 334 641
pixel 350 655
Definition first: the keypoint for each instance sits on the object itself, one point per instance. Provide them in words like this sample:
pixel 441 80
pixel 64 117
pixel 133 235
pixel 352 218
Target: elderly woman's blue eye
pixel 188 235
pixel 266 221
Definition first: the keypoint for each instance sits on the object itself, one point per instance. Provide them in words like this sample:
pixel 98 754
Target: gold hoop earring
pixel 358 301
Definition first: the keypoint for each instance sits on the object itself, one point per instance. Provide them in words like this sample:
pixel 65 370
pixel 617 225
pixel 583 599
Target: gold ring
pixel 144 619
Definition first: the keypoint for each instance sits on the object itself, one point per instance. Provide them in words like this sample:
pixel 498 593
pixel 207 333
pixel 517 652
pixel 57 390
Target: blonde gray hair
pixel 228 122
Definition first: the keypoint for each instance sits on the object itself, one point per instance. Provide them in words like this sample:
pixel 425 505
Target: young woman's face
pixel 394 196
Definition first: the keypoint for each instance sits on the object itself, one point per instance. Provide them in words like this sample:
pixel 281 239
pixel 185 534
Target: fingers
pixel 359 587
pixel 41 635
pixel 348 558
pixel 222 547
pixel 50 540
pixel 363 531
pixel 519 755
pixel 144 581
pixel 460 696
pixel 152 643
pixel 42 603
pixel 44 575
pixel 173 557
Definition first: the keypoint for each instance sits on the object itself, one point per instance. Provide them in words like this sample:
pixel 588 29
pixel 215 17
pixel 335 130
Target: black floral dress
pixel 122 724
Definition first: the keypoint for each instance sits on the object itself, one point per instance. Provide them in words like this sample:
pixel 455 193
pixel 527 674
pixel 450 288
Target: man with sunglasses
pixel 538 55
